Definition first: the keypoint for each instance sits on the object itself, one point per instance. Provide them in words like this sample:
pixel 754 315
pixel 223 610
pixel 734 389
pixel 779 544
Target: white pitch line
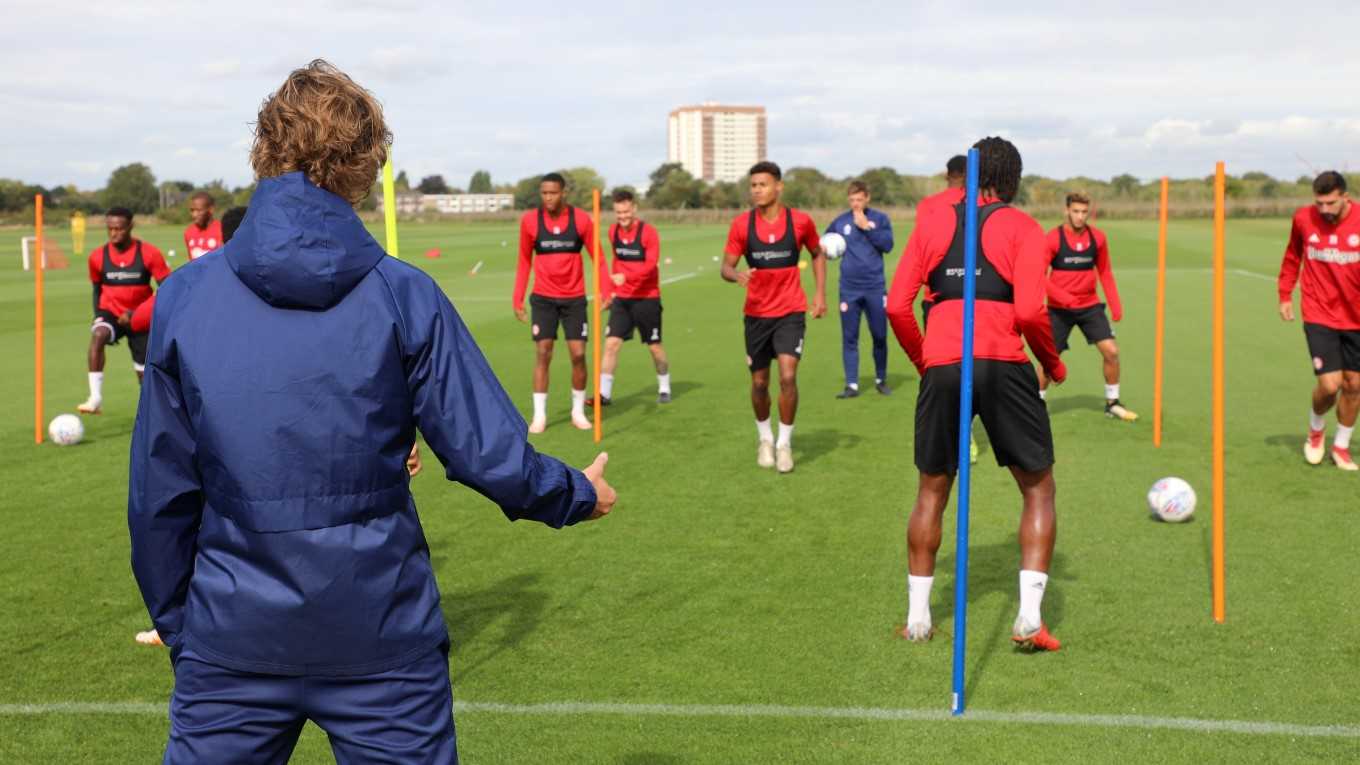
pixel 679 278
pixel 572 708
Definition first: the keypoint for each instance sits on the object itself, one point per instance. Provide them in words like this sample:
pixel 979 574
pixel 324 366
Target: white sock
pixel 1111 392
pixel 878 381
pixel 918 598
pixel 663 383
pixel 852 386
pixel 1032 585
pixel 1043 394
pixel 578 402
pixel 97 386
pixel 607 385
pixel 540 406
pixel 1343 437
pixel 765 431
pixel 785 435
pixel 1315 421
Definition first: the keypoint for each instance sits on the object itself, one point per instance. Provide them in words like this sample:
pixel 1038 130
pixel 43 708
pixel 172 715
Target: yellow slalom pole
pixel 390 207
pixel 78 233
pixel 1160 333
pixel 595 312
pixel 1218 563
pixel 38 264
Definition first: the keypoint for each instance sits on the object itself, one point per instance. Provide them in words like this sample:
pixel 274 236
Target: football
pixel 66 430
pixel 834 244
pixel 1172 500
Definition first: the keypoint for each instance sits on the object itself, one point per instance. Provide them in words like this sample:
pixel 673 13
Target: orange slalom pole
pixel 38 321
pixel 595 329
pixel 1218 563
pixel 1160 333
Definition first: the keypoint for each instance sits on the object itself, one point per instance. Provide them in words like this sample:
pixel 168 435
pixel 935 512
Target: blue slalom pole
pixel 970 250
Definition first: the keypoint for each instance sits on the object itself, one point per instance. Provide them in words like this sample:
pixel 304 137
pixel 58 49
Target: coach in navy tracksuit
pixel 868 235
pixel 274 537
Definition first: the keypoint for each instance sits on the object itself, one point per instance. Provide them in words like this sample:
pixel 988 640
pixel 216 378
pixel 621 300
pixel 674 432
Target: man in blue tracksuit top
pixel 274 537
pixel 868 235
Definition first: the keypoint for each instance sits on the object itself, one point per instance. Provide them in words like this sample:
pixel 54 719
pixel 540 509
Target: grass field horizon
pixel 717 583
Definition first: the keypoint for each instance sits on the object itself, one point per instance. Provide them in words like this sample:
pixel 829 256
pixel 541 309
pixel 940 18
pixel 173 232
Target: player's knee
pixel 1111 353
pixel 545 354
pixel 1329 385
pixel 788 381
pixel 1350 384
pixel 760 388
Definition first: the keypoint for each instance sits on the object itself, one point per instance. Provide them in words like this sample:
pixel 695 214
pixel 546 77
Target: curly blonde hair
pixel 324 124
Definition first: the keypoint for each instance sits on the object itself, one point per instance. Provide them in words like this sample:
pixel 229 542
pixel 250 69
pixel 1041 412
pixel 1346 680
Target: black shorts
pixel 643 313
pixel 546 313
pixel 1094 324
pixel 770 337
pixel 1333 350
pixel 136 340
pixel 1005 396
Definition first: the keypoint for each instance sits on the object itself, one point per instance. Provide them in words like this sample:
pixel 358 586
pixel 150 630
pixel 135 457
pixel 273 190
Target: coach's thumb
pixel 596 469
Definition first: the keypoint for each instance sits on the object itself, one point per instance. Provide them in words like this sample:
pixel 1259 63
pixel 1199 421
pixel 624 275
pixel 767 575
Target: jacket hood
pixel 300 246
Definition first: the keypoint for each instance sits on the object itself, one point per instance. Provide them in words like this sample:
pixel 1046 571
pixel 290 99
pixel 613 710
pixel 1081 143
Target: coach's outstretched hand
pixel 604 493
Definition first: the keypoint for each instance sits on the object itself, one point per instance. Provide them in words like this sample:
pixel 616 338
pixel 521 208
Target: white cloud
pixel 224 67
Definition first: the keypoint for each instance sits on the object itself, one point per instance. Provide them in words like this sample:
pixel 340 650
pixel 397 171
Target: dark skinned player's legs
pixel 99 338
pixel 923 530
pixel 760 394
pixel 1038 519
pixel 788 389
pixel 542 363
pixel 577 349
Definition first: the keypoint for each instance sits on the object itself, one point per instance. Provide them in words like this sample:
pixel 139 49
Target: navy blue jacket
pixel 862 264
pixel 272 525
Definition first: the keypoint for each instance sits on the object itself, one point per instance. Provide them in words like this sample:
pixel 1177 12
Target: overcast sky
pixel 1094 88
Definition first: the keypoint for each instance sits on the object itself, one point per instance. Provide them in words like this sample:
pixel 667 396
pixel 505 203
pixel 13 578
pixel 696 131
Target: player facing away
pixel 204 233
pixel 1325 245
pixel 1079 254
pixel 1012 261
pixel 121 272
pixel 551 238
pixel 955 176
pixel 868 235
pixel 636 302
pixel 771 237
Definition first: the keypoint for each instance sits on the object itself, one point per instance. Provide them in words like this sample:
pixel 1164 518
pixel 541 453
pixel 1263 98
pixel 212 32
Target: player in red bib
pixel 551 238
pixel 1012 260
pixel 121 272
pixel 204 234
pixel 637 296
pixel 1325 244
pixel 1079 253
pixel 771 237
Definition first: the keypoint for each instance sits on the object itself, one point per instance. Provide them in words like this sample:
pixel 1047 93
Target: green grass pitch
pixel 717 583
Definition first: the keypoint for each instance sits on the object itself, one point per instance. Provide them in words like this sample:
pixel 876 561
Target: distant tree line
pixel 670 187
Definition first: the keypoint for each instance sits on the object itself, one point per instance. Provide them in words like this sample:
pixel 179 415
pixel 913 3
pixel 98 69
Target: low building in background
pixel 413 203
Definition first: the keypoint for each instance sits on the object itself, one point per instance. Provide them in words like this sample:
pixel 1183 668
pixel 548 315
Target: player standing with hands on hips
pixel 770 237
pixel 280 554
pixel 1012 260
